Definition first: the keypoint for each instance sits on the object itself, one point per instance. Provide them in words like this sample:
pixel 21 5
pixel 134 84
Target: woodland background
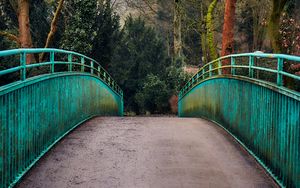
pixel 151 47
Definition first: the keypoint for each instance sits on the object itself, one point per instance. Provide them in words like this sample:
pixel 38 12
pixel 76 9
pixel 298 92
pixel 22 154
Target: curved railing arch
pixel 37 111
pixel 261 114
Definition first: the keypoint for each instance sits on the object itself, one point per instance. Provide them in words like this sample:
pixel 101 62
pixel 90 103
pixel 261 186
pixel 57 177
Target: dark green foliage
pixel 107 37
pixel 136 56
pixel 153 95
pixel 140 64
pixel 79 35
pixel 41 26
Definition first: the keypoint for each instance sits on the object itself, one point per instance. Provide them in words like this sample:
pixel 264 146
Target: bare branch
pixel 53 27
pixel 150 7
pixel 10 37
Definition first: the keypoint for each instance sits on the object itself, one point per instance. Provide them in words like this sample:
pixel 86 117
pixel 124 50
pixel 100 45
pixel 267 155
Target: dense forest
pixel 151 47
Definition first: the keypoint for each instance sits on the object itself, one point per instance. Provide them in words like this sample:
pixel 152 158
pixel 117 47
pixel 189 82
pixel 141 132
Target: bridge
pixel 57 128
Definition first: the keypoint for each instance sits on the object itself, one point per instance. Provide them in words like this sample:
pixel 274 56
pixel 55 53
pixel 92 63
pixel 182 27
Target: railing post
pixel 23 65
pixel 108 81
pixel 98 71
pixel 220 67
pixel 92 67
pixel 210 68
pixel 52 59
pixel 104 76
pixel 279 69
pixel 113 84
pixel 251 64
pixel 232 66
pixel 203 74
pixel 82 64
pixel 70 62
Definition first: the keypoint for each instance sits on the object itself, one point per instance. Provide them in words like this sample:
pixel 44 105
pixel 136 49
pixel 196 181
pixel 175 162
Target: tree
pixel 24 25
pixel 228 29
pixel 177 29
pixel 108 35
pixel 210 28
pixel 203 31
pixel 153 95
pixel 24 38
pixel 53 27
pixel 79 34
pixel 140 58
pixel 274 24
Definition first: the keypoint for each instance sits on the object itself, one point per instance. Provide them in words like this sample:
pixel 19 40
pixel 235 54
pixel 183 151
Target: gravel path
pixel 138 152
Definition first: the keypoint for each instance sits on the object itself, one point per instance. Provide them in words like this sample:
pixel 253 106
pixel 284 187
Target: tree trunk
pixel 274 35
pixel 24 27
pixel 228 29
pixel 177 29
pixel 203 35
pixel 210 28
pixel 274 24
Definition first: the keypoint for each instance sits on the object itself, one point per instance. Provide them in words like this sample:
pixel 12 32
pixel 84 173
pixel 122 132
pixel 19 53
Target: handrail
pixel 85 62
pixel 202 74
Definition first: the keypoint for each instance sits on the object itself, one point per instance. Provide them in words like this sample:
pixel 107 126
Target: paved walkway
pixel 147 152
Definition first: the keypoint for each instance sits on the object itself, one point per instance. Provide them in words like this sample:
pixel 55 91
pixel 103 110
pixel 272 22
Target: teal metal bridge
pixel 257 110
pixel 44 105
pixel 36 112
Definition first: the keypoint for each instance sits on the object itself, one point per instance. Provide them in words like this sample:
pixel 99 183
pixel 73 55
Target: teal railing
pixel 210 69
pixel 43 105
pixel 72 59
pixel 259 111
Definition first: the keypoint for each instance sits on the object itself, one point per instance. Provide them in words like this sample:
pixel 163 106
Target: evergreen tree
pixel 107 28
pixel 143 70
pixel 79 35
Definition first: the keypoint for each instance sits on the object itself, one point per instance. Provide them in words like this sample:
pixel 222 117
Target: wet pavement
pixel 138 152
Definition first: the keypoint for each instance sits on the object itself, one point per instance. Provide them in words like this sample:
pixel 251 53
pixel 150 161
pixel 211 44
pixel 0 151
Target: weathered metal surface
pixel 264 117
pixel 266 121
pixel 36 113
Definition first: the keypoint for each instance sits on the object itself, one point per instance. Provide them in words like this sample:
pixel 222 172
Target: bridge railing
pixel 75 62
pixel 255 98
pixel 217 68
pixel 41 102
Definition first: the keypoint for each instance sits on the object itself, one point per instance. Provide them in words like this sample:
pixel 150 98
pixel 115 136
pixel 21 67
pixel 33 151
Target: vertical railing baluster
pixel 251 64
pixel 210 68
pixel 82 64
pixel 232 66
pixel 279 69
pixel 92 67
pixel 52 59
pixel 70 62
pixel 203 74
pixel 98 71
pixel 23 65
pixel 104 76
pixel 108 80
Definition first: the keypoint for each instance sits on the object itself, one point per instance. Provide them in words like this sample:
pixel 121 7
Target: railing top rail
pixel 280 72
pixel 264 55
pixel 20 51
pixel 42 50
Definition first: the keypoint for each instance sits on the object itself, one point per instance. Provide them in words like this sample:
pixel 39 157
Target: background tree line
pixel 150 46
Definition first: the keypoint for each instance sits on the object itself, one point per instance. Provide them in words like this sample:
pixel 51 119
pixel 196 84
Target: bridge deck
pixel 147 152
